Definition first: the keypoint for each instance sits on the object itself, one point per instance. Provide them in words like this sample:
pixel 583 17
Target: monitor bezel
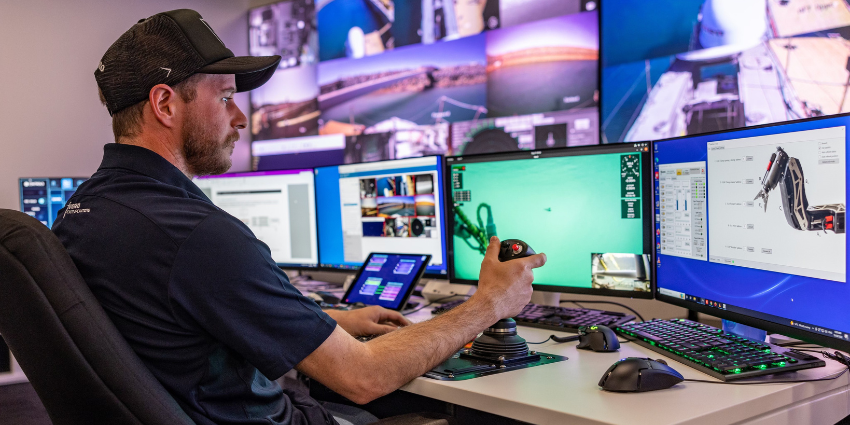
pixel 441 163
pixel 646 188
pixel 282 266
pixel 741 318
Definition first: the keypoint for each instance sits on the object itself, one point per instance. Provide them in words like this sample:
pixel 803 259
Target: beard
pixel 206 152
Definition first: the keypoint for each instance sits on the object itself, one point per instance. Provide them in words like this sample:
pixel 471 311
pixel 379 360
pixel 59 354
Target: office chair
pixel 82 369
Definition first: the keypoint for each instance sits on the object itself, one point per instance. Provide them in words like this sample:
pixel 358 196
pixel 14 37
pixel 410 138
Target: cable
pixel 568 339
pixel 433 302
pixel 606 302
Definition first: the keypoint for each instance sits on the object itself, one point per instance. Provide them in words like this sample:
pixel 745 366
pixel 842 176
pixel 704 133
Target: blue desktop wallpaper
pixel 812 301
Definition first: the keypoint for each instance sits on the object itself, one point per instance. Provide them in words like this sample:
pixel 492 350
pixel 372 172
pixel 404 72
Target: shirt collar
pixel 149 163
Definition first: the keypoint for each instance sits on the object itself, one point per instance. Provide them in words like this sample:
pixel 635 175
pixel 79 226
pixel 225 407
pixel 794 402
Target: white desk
pixel 566 392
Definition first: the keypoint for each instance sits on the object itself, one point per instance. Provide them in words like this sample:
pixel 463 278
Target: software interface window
pixel 768 205
pixel 583 210
pixel 42 198
pixel 389 206
pixel 755 232
pixel 278 206
pixel 681 189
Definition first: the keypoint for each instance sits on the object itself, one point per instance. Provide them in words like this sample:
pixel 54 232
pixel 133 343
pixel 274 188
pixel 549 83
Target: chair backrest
pixel 81 367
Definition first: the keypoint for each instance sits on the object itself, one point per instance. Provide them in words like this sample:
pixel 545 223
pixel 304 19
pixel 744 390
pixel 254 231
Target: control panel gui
pixel 681 209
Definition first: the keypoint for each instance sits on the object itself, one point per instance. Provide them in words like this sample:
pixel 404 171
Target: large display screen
pixel 388 206
pixel 42 198
pixel 752 222
pixel 370 80
pixel 278 206
pixel 586 208
pixel 682 67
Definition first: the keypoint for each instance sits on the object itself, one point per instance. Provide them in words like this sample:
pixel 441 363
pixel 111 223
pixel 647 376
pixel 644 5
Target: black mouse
pixel 598 338
pixel 514 248
pixel 637 374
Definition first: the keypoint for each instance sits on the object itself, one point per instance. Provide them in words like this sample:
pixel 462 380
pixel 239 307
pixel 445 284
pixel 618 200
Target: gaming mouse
pixel 637 374
pixel 514 248
pixel 597 338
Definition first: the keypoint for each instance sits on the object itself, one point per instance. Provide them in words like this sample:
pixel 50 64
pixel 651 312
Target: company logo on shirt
pixel 75 209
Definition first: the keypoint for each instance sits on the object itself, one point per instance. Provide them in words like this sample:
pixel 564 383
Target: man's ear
pixel 164 104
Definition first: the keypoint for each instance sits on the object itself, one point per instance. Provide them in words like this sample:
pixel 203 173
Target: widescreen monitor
pixel 587 208
pixel 751 227
pixel 278 206
pixel 685 67
pixel 372 80
pixel 43 197
pixel 387 206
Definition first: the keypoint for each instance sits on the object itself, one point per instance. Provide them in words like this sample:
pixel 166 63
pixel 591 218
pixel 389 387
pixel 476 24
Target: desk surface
pixel 566 392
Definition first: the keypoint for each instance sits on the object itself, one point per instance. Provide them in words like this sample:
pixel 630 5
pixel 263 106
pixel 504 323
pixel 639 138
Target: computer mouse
pixel 514 248
pixel 598 338
pixel 637 374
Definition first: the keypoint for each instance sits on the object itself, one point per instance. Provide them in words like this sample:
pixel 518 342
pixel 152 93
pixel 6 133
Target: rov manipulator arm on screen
pixel 481 233
pixel 787 173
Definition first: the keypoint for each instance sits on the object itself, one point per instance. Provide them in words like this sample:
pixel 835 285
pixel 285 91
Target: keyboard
pixel 722 355
pixel 557 318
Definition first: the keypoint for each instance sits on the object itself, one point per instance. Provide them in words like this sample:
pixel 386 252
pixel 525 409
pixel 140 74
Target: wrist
pixel 484 307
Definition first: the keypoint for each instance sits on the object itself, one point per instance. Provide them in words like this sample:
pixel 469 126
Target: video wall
pixel 370 80
pixel 681 67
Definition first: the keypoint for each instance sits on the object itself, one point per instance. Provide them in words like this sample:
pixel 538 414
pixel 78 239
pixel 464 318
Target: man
pixel 196 295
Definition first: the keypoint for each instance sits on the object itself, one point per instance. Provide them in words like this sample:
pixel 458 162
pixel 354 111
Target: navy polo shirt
pixel 196 295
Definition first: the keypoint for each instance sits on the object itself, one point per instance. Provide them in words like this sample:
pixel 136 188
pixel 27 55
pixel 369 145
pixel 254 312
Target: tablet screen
pixel 387 280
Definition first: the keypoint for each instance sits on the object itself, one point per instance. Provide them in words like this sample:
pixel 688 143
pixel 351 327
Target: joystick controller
pixel 501 340
pixel 511 249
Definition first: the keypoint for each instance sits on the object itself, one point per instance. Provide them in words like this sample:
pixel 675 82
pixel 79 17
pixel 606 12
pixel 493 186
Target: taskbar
pixel 428 270
pixel 832 333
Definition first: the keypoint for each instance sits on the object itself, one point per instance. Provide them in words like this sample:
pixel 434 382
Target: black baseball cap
pixel 167 48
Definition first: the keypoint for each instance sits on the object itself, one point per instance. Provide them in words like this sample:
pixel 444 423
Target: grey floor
pixel 21 406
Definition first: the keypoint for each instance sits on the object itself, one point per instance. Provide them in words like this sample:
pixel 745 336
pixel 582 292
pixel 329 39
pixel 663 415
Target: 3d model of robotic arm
pixel 787 173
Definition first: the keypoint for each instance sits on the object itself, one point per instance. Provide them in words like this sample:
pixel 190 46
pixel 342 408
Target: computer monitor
pixel 672 68
pixel 585 207
pixel 386 206
pixel 278 206
pixel 750 227
pixel 43 197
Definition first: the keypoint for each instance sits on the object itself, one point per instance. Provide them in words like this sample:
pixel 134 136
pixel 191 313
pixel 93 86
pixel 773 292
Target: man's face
pixel 210 126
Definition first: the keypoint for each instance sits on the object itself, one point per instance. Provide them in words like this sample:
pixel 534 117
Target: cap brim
pixel 251 71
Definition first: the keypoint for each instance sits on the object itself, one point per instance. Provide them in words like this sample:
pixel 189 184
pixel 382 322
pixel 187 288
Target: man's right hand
pixel 506 286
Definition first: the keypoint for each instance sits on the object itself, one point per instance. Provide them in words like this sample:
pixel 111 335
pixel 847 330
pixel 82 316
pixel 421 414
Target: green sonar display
pixel 568 207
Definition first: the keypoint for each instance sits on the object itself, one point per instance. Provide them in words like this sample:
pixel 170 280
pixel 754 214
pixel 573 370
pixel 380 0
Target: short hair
pixel 127 123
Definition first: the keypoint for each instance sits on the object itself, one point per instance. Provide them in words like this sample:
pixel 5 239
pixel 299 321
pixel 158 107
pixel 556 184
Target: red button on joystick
pixel 516 248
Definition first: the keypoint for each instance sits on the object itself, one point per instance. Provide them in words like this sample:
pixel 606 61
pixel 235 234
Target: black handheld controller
pixel 514 248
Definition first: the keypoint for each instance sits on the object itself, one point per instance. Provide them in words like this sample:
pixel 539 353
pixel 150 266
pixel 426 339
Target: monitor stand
pixel 546 298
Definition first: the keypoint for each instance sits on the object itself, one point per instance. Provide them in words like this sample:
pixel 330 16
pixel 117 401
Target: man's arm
pixel 373 320
pixel 362 372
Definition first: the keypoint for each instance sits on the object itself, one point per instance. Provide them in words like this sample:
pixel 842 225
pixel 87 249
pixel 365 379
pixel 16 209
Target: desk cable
pixel 576 302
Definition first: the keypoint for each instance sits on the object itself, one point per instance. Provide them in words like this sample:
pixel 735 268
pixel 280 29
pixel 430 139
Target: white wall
pixel 51 121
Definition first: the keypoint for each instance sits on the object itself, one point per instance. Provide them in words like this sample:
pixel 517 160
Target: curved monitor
pixel 751 227
pixel 587 208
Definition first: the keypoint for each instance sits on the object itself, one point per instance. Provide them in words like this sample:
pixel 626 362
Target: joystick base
pixel 465 365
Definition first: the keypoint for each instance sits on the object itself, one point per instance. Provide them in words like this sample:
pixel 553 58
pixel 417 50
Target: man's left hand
pixel 373 320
